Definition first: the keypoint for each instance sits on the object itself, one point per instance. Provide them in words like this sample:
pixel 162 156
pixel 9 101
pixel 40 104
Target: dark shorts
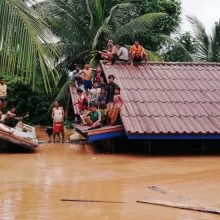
pixel 87 84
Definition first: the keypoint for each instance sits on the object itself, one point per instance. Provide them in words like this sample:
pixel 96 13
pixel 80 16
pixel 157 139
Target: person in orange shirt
pixel 137 52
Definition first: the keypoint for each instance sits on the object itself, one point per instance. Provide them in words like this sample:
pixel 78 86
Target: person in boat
pixel 94 93
pixel 2 124
pixel 93 117
pixel 122 54
pixel 117 104
pixel 11 119
pixel 2 117
pixel 58 120
pixel 3 93
pixel 109 53
pixel 137 53
pixel 87 71
pixel 110 89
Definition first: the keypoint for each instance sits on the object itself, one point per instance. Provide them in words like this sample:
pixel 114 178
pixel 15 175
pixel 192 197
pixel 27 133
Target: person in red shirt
pixel 137 52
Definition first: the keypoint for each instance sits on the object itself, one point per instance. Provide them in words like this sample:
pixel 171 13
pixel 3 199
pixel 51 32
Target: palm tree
pixel 208 46
pixel 25 44
pixel 85 26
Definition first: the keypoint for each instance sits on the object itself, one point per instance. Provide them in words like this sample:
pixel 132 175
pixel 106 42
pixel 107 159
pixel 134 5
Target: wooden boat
pixel 22 135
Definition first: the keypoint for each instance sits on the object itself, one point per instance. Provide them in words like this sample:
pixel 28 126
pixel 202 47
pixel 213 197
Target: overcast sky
pixel 206 11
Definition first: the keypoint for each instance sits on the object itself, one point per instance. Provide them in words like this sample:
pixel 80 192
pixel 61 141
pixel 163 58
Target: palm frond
pixel 215 42
pixel 115 14
pixel 202 39
pixel 176 44
pixel 154 56
pixel 24 47
pixel 138 24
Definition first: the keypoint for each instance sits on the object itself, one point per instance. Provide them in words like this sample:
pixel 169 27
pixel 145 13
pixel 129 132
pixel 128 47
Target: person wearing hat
pixel 3 93
pixel 92 117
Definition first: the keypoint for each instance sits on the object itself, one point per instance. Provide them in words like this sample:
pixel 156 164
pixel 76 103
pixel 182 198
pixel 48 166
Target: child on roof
pixel 102 105
pixel 94 93
pixel 87 71
pixel 82 101
pixel 117 104
pixel 110 89
pixel 93 117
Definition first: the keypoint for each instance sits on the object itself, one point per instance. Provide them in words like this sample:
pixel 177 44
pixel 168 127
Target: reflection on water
pixel 32 185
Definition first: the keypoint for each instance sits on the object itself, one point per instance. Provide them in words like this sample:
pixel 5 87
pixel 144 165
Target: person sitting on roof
pixel 109 53
pixel 94 93
pixel 117 104
pixel 2 117
pixel 138 53
pixel 110 89
pixel 92 117
pixel 87 78
pixel 122 53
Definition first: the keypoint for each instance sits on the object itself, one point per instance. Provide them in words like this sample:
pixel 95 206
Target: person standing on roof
pixel 137 52
pixel 87 77
pixel 110 89
pixel 122 53
pixel 3 93
pixel 94 93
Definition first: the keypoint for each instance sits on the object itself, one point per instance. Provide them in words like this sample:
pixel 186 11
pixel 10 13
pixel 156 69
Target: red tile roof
pixel 169 98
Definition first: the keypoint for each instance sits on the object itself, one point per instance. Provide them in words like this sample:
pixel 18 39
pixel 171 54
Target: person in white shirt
pixel 94 93
pixel 122 53
pixel 3 93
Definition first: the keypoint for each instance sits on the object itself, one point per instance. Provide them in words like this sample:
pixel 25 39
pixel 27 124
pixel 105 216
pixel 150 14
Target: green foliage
pixel 22 97
pixel 85 26
pixel 24 44
pixel 182 50
pixel 208 46
pixel 151 38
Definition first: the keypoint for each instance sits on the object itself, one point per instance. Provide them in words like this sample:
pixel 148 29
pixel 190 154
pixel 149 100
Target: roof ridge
pixel 184 63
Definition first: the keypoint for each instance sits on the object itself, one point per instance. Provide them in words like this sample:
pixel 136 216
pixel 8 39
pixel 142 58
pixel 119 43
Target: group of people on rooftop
pixel 99 101
pixel 119 52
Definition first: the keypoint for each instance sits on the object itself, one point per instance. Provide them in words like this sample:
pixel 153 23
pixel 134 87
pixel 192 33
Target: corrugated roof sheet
pixel 169 98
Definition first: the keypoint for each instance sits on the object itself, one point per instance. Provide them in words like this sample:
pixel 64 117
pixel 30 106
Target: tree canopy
pixel 25 50
pixel 85 26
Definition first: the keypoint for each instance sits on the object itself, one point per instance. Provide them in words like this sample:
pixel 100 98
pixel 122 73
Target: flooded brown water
pixel 32 185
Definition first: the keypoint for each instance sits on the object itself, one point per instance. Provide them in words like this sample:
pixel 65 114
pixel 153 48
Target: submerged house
pixel 165 101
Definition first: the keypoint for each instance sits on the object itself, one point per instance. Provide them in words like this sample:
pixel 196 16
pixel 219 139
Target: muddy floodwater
pixel 32 185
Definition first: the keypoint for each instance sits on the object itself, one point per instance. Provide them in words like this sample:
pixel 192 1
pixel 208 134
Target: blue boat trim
pixel 105 136
pixel 174 136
